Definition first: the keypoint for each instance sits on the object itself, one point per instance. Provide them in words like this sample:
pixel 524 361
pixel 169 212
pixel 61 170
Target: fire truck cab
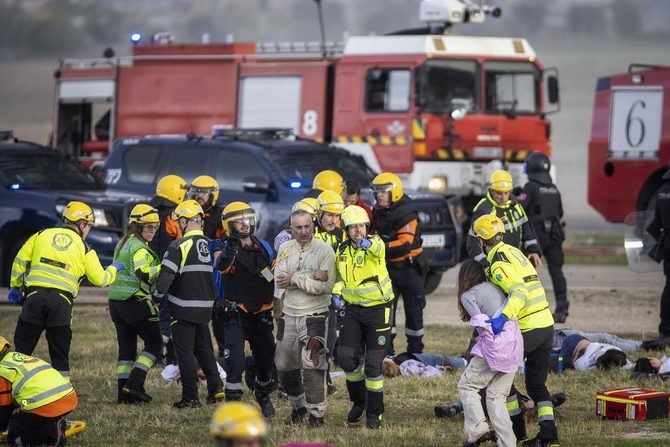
pixel 442 111
pixel 629 148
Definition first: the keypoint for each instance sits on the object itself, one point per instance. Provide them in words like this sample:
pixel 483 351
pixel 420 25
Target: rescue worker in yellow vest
pixel 170 191
pixel 510 270
pixel 42 395
pixel 238 424
pixel 397 223
pixel 131 308
pixel 327 228
pixel 368 293
pixel 185 284
pixel 500 202
pixel 205 190
pixel 51 265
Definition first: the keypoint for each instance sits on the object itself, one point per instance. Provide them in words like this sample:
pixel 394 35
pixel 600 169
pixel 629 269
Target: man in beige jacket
pixel 304 274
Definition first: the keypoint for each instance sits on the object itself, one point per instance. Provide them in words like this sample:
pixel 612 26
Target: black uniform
pixel 212 222
pixel 660 228
pixel 400 229
pixel 185 284
pixel 542 202
pixel 249 316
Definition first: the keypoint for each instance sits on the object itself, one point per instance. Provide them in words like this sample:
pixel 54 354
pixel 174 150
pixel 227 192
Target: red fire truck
pixel 629 149
pixel 441 110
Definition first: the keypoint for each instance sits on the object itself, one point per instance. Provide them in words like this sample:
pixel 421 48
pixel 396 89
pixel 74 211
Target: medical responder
pixel 246 263
pixel 304 276
pixel 660 229
pixel 237 424
pixel 56 261
pixel 397 223
pixel 351 194
pixel 500 202
pixel 542 201
pixel 368 293
pixel 329 208
pixel 186 286
pixel 510 270
pixel 205 190
pixel 170 192
pixel 130 306
pixel 43 397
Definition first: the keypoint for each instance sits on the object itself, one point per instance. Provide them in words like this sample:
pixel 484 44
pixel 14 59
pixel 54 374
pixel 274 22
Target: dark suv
pixel 271 171
pixel 36 183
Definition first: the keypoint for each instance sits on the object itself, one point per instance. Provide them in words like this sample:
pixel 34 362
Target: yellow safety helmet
pixel 500 180
pixel 5 347
pixel 237 420
pixel 143 214
pixel 205 184
pixel 353 215
pixel 236 211
pixel 388 182
pixel 76 211
pixel 187 209
pixel 309 204
pixel 172 187
pixel 328 180
pixel 330 202
pixel 488 226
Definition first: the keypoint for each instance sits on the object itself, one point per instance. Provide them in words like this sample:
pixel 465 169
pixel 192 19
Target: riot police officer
pixel 542 201
pixel 659 229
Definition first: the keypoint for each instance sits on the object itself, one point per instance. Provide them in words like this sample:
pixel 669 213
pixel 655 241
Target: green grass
pixel 409 402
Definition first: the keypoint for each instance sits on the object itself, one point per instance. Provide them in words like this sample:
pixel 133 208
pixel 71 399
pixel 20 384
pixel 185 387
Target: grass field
pixel 409 419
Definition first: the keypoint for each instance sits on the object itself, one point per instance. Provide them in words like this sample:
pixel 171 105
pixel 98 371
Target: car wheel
pixel 432 281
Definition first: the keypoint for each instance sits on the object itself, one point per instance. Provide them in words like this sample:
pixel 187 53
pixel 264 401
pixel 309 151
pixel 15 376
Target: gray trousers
pixel 477 376
pixel 304 383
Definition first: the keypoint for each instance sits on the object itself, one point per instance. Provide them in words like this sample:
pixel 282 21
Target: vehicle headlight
pixel 437 183
pixel 424 217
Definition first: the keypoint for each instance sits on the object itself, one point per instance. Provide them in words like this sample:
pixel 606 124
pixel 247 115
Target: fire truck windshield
pixel 511 88
pixel 447 82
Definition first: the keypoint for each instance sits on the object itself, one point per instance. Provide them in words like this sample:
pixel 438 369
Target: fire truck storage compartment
pixel 84 111
pixel 270 101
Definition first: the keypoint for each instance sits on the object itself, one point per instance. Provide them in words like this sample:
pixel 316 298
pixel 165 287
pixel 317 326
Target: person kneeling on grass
pixel 422 365
pixel 495 360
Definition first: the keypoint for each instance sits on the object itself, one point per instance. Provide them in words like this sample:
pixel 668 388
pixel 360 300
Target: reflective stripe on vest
pixel 127 284
pixel 34 382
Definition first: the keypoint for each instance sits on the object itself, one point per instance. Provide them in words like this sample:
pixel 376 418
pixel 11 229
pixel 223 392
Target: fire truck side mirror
pixel 256 183
pixel 552 87
pixel 551 90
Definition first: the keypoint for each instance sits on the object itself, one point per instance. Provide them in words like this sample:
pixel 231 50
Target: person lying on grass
pixel 649 366
pixel 581 354
pixel 422 365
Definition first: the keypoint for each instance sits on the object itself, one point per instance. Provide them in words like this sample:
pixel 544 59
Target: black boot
pixel 314 422
pixel 357 395
pixel 296 416
pixel 447 411
pixel 488 436
pixel 265 403
pixel 373 421
pixel 215 396
pixel 181 404
pixel 233 395
pixel 519 427
pixel 140 395
pixel 546 437
pixel 356 413
pixel 124 397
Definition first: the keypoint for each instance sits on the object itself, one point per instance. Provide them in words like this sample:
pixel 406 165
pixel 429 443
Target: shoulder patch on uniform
pixel 202 247
pixel 499 257
pixel 61 241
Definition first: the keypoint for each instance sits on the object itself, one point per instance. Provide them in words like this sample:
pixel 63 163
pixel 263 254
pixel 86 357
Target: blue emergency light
pixel 135 38
pixel 295 184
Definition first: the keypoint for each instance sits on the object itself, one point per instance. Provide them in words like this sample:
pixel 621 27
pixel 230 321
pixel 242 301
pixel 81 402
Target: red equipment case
pixel 632 403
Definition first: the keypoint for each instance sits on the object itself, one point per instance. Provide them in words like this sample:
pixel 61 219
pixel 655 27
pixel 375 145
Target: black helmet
pixel 537 167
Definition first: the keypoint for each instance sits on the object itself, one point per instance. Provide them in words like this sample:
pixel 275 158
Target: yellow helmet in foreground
pixel 328 180
pixel 308 204
pixel 187 209
pixel 205 184
pixel 353 215
pixel 330 202
pixel 172 187
pixel 500 180
pixel 143 214
pixel 237 420
pixel 238 211
pixel 76 211
pixel 488 226
pixel 388 182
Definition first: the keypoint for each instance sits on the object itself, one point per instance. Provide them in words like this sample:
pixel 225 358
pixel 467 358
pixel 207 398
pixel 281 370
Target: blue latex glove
pixel 497 323
pixel 119 266
pixel 364 244
pixel 14 295
pixel 337 301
